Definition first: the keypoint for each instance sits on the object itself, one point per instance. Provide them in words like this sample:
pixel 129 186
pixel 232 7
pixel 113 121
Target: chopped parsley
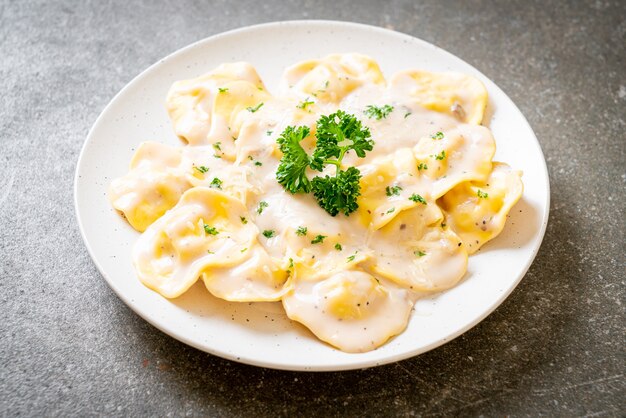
pixel 482 195
pixel 244 249
pixel 262 205
pixel 255 108
pixel 338 247
pixel 417 199
pixel 202 169
pixel 393 190
pixel 217 146
pixel 243 220
pixel 441 156
pixel 378 113
pixel 407 114
pixel 301 231
pixel 422 166
pixel 268 133
pixel 438 135
pixel 269 233
pixel 258 163
pixel 210 230
pixel 392 210
pixel 216 183
pixel 222 89
pixel 351 258
pixel 337 134
pixel 318 239
pixel 303 105
pixel 419 253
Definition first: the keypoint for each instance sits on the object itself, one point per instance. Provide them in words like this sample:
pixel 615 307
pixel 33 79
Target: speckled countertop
pixel 556 346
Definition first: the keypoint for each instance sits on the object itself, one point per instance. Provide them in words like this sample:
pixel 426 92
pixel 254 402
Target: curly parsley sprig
pixel 337 134
pixel 291 173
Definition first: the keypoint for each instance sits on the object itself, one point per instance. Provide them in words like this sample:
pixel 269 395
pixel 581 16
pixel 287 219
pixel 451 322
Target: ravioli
pixel 204 230
pixel 190 103
pixel 332 78
pixel 423 193
pixel 461 154
pixel 153 185
pixel 258 278
pixel 460 95
pixel 477 211
pixel 351 310
pixel 416 251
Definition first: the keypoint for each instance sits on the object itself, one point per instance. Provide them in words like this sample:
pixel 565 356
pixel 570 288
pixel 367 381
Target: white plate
pixel 260 333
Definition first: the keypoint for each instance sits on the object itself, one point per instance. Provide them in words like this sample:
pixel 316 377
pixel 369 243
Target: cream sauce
pixel 352 279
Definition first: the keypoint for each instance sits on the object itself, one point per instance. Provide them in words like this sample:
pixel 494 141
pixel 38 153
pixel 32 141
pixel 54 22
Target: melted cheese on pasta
pixel 213 210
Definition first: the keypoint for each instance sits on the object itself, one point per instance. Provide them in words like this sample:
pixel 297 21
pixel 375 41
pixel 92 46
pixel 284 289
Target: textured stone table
pixel 69 346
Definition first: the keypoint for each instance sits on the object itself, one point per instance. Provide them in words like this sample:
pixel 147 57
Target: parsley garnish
pixel 337 134
pixel 482 195
pixel 258 163
pixel 302 105
pixel 407 114
pixel 217 146
pixel 392 210
pixel 244 249
pixel 301 231
pixel 378 113
pixel 393 190
pixel 210 230
pixel 262 205
pixel 202 169
pixel 441 156
pixel 222 89
pixel 269 233
pixel 294 162
pixel 255 108
pixel 417 199
pixel 268 133
pixel 339 193
pixel 419 253
pixel 216 183
pixel 438 135
pixel 243 220
pixel 338 247
pixel 318 239
pixel 351 258
pixel 422 166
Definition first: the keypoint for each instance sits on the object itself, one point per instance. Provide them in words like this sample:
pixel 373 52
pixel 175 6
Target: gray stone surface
pixel 69 346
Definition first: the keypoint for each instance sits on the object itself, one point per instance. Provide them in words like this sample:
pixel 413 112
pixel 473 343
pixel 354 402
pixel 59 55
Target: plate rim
pixel 495 303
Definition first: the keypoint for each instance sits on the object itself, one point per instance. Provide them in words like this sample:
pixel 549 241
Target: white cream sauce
pixel 355 287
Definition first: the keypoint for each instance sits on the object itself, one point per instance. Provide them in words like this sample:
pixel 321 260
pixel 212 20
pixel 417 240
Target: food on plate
pixel 343 196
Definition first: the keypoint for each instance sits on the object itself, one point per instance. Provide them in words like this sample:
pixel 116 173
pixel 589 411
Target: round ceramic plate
pixel 260 333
